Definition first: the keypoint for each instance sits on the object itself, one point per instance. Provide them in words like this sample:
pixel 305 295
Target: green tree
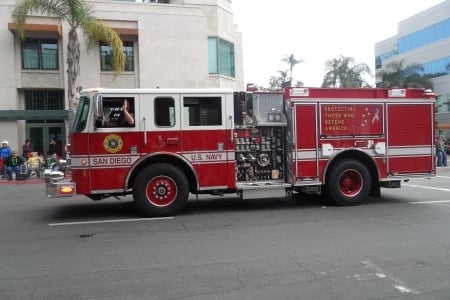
pixel 151 1
pixel 292 62
pixel 78 15
pixel 278 82
pixel 299 84
pixel 402 75
pixel 345 73
pixel 274 83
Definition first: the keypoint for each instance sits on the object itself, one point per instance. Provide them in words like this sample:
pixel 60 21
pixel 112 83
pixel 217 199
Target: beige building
pixel 170 44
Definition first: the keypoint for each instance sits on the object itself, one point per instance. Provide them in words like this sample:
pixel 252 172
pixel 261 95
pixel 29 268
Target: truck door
pixel 305 154
pixel 114 143
pixel 206 139
pixel 161 113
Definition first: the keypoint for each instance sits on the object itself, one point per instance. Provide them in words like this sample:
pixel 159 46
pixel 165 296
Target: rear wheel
pixel 349 182
pixel 160 190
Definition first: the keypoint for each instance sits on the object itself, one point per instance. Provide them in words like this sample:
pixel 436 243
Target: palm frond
pixel 51 8
pixel 95 30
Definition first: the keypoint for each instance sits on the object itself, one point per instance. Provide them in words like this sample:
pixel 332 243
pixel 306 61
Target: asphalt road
pixel 395 247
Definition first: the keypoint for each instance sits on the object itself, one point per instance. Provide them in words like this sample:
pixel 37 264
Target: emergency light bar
pixel 397 93
pixel 299 92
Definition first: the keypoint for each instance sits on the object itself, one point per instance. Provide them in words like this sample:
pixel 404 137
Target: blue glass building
pixel 424 39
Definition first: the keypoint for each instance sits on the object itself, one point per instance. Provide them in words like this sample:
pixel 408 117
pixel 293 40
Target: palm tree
pixel 299 84
pixel 278 82
pixel 274 83
pixel 292 62
pixel 150 1
pixel 402 75
pixel 344 72
pixel 78 15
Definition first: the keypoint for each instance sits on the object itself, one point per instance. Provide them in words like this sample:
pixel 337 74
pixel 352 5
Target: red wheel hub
pixel 350 183
pixel 161 191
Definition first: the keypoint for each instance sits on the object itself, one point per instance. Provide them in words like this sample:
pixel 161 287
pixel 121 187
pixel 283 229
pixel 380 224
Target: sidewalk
pixel 443 171
pixel 26 181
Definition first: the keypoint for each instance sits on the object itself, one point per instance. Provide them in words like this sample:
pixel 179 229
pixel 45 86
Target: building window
pixel 425 36
pixel 40 55
pixel 221 57
pixel 44 100
pixel 437 66
pixel 106 56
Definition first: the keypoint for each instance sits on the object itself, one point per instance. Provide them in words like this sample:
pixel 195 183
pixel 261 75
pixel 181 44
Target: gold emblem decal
pixel 113 143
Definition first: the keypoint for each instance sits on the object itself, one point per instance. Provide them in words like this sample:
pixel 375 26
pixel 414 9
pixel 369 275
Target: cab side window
pixel 164 112
pixel 118 112
pixel 203 111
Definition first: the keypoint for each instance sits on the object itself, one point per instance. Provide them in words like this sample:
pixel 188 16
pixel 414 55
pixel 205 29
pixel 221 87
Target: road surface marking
pixel 397 283
pixel 426 187
pixel 430 202
pixel 109 221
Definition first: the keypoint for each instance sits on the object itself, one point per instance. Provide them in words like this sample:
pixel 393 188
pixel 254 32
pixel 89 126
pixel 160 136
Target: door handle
pixel 172 141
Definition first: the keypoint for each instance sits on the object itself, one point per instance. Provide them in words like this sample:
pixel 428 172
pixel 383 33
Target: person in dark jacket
pixel 26 150
pixel 53 148
pixel 13 163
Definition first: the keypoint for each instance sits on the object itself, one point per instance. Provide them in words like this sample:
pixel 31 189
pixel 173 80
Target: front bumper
pixel 58 186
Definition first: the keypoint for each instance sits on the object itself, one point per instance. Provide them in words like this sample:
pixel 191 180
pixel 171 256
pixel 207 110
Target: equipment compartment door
pixel 305 155
pixel 410 142
pixel 206 141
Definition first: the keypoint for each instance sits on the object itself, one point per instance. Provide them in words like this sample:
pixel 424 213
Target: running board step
pixel 255 190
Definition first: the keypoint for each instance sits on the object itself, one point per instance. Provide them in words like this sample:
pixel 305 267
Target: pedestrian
pixel 438 153
pixel 26 150
pixel 5 150
pixel 13 164
pixel 441 152
pixel 35 163
pixel 53 148
pixel 52 162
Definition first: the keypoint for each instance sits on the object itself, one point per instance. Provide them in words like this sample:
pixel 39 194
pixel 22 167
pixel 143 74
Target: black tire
pixel 160 190
pixel 349 182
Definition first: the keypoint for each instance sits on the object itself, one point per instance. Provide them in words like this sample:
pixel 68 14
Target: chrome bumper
pixel 58 186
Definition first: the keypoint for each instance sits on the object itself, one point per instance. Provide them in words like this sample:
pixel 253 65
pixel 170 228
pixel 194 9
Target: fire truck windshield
pixel 80 121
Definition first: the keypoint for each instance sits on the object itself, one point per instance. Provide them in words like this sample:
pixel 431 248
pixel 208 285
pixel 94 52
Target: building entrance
pixel 41 133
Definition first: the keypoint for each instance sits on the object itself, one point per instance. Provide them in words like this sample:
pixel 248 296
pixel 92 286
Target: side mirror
pixel 98 110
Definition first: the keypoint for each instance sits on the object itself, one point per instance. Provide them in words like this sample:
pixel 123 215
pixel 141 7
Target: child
pixel 52 162
pixel 35 162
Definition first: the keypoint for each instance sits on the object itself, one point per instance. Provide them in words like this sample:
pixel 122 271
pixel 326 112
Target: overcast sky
pixel 315 31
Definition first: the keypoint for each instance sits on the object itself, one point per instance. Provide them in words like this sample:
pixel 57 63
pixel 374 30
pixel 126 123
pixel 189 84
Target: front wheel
pixel 160 190
pixel 349 182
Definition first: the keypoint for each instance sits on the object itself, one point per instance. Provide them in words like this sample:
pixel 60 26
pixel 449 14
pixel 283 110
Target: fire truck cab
pixel 344 142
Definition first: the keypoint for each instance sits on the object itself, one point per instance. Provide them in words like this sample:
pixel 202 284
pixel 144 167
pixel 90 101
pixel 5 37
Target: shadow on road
pixel 206 204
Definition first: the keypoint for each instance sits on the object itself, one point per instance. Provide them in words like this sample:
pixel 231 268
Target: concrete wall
pixel 171 51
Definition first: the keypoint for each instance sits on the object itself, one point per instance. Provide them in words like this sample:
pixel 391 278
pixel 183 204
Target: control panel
pixel 259 153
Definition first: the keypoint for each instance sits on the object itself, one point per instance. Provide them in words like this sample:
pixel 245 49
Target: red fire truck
pixel 346 143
